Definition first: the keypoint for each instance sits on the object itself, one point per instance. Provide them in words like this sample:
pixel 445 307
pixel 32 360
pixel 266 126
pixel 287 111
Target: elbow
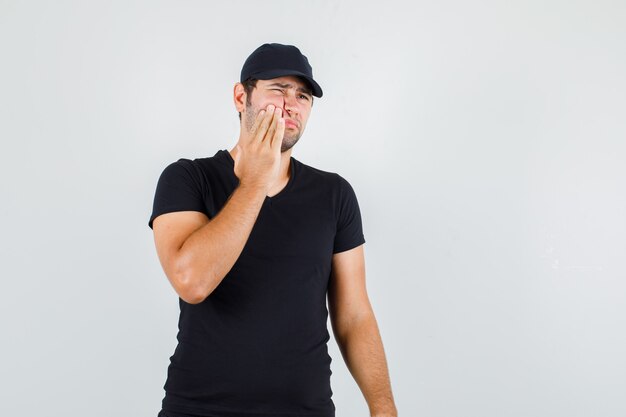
pixel 191 298
pixel 192 286
pixel 191 291
pixel 188 293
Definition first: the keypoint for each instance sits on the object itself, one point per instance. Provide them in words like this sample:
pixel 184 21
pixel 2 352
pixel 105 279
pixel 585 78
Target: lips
pixel 290 123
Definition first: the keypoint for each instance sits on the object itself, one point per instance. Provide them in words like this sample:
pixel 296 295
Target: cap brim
pixel 275 73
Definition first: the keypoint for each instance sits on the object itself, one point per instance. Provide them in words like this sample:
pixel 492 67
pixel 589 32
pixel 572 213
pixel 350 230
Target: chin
pixel 289 142
pixel 284 147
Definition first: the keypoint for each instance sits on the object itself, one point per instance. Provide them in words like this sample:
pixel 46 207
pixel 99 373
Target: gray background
pixel 484 140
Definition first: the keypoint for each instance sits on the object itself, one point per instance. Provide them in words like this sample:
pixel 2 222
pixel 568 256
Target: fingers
pixel 266 124
pixel 262 123
pixel 277 139
pixel 273 124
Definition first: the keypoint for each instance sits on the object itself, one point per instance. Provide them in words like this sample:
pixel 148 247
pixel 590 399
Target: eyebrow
pixel 287 85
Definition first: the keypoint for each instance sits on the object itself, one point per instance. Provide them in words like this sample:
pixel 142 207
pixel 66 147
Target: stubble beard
pixel 290 138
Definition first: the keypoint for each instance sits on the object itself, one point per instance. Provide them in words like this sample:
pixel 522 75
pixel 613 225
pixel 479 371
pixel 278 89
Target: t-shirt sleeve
pixel 349 226
pixel 179 189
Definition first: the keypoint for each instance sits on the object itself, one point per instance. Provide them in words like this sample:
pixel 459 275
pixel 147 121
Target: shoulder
pixel 332 179
pixel 195 169
pixel 330 187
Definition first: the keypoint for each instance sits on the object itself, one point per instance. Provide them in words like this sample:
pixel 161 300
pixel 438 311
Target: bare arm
pixel 196 253
pixel 356 331
pixel 362 350
pixel 195 265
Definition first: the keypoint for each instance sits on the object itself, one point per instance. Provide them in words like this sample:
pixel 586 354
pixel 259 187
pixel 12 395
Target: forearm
pixel 211 251
pixel 363 352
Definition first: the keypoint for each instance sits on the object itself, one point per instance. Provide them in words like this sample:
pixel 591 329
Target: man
pixel 253 241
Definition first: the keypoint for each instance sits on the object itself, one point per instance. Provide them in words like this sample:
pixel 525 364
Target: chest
pixel 293 228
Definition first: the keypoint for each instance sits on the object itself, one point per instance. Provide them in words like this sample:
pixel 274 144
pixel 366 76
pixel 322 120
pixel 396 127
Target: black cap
pixel 272 60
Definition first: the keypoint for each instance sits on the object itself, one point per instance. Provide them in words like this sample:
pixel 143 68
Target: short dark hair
pixel 250 84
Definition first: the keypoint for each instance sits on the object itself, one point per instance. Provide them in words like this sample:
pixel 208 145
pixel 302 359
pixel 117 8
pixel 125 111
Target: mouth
pixel 290 123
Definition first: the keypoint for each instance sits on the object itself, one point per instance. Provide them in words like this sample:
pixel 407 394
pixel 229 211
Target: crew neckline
pixel 281 193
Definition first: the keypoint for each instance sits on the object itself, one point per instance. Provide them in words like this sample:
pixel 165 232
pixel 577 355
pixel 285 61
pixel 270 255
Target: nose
pixel 290 104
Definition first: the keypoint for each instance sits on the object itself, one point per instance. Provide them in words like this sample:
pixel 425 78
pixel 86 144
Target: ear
pixel 239 97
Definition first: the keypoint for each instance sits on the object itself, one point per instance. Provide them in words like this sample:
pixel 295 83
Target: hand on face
pixel 257 162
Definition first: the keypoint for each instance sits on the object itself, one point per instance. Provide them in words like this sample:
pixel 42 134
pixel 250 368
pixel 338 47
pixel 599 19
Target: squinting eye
pixel 302 95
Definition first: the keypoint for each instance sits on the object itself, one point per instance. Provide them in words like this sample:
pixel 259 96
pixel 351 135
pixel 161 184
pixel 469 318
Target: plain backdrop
pixel 485 141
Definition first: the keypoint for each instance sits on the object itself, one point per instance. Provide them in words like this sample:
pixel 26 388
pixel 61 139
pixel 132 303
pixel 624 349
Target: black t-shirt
pixel 257 345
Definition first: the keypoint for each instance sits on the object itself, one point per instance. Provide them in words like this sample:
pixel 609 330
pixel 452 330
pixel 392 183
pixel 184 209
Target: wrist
pixel 388 412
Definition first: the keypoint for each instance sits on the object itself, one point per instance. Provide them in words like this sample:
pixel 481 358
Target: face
pixel 289 93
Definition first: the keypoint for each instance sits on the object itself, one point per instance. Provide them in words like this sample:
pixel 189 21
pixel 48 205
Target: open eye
pixel 304 96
